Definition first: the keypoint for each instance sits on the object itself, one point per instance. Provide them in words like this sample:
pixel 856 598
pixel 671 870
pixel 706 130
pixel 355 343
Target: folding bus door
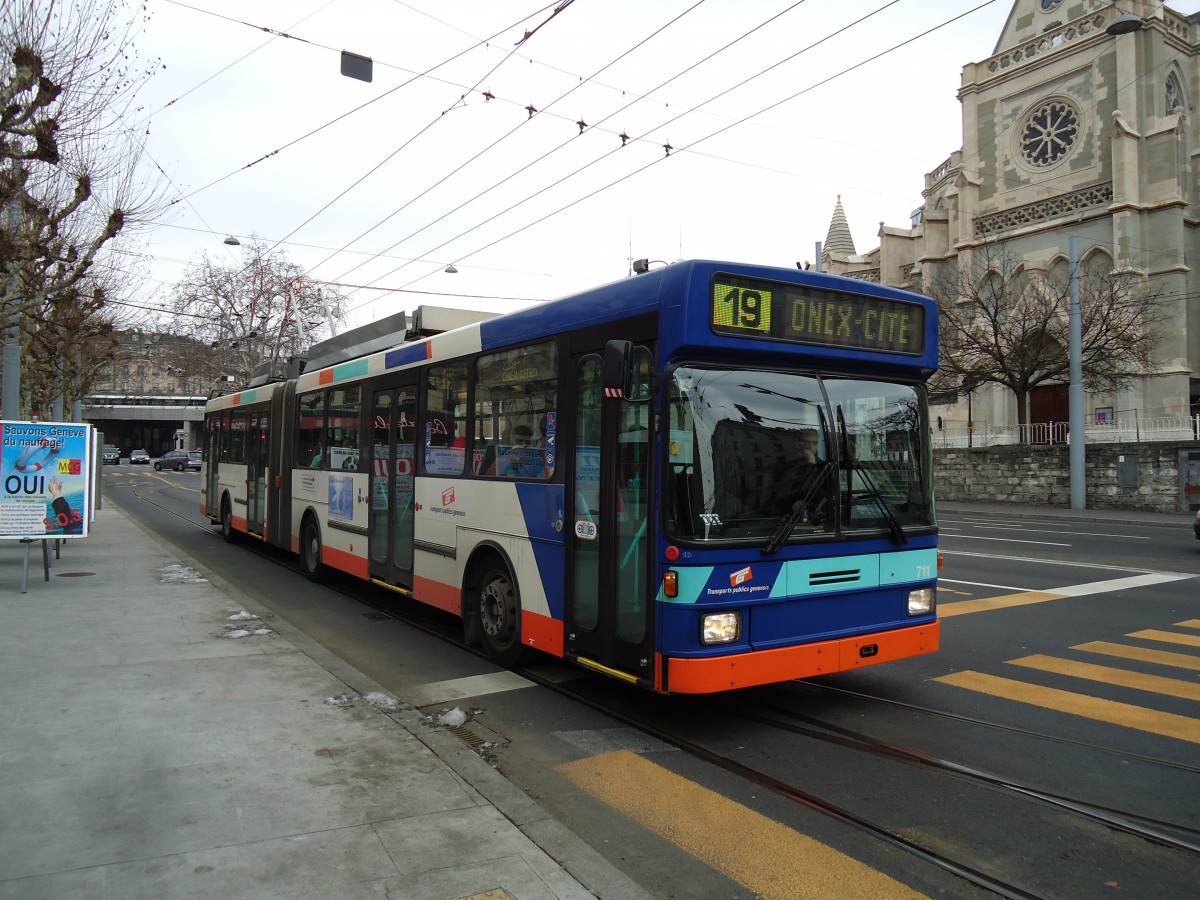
pixel 609 603
pixel 391 486
pixel 257 439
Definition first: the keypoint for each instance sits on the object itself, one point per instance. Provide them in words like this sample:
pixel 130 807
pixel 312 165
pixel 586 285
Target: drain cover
pixel 74 574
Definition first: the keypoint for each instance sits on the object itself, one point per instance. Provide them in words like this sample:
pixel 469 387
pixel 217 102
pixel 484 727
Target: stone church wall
pixel 1119 476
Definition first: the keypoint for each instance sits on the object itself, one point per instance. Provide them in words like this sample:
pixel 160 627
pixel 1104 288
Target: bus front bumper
pixel 723 673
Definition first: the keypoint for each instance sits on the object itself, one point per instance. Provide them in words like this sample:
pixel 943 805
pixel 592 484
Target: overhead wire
pixel 433 122
pixel 659 160
pixel 496 143
pixel 658 127
pixel 351 112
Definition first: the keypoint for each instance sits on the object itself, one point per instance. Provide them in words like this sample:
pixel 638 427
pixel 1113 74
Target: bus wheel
pixel 227 530
pixel 500 616
pixel 310 550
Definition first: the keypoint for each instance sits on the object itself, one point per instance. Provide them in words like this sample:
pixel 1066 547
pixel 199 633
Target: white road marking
pixel 1049 530
pixel 458 688
pixel 983 584
pixel 1054 562
pixel 1009 540
pixel 1119 584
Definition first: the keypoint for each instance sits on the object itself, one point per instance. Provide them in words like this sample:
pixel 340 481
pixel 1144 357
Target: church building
pixel 1081 124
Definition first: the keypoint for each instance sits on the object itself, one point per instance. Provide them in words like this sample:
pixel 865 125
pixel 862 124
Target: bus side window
pixel 310 430
pixel 446 413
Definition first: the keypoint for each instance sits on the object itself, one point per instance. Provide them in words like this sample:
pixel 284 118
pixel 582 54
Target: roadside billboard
pixel 45 479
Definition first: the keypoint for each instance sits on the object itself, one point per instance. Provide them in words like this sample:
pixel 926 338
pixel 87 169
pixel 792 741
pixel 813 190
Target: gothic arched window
pixel 1174 91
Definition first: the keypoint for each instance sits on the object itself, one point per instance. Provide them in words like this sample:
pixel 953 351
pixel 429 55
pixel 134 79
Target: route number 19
pixel 741 307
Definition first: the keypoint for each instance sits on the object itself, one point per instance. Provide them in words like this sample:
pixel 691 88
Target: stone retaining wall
pixel 1119 476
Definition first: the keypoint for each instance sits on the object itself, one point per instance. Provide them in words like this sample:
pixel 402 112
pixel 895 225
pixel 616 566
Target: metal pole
pixel 1078 440
pixel 817 261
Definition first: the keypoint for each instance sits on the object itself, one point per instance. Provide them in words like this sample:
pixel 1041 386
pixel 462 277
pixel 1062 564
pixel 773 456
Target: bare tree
pixel 70 172
pixel 1000 325
pixel 262 311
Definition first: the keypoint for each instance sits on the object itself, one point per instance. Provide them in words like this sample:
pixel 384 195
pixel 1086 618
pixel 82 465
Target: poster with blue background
pixel 45 479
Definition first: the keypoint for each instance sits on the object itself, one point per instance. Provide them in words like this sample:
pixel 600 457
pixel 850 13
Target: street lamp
pixel 450 269
pixel 1124 23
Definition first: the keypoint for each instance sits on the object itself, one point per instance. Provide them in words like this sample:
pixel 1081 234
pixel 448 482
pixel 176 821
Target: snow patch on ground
pixel 447 718
pixel 381 701
pixel 180 574
pixel 243 616
pixel 384 702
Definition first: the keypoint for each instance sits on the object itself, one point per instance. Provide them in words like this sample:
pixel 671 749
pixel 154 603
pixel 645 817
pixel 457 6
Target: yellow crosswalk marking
pixel 1142 654
pixel 962 607
pixel 1127 715
pixel 1167 637
pixel 1190 623
pixel 1155 684
pixel 767 858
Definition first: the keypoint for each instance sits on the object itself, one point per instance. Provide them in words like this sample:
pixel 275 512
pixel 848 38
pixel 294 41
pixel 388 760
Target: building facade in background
pixel 151 394
pixel 1067 130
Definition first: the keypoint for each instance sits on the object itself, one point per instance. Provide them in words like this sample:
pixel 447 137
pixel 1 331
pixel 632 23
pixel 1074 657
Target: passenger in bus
pixel 810 443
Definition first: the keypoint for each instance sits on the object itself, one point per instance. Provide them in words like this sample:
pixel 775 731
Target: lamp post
pixel 1076 398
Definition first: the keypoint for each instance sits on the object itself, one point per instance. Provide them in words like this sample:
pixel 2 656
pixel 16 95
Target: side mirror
pixel 618 369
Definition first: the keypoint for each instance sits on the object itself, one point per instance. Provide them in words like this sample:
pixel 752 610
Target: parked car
pixel 179 460
pixel 139 458
pixel 110 455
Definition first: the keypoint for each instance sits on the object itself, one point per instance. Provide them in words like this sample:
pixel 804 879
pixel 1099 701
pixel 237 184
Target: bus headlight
pixel 720 628
pixel 920 602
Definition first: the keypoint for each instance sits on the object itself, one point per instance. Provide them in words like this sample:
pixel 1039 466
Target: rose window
pixel 1049 133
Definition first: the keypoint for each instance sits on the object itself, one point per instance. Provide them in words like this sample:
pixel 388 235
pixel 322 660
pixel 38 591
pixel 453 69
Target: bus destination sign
pixel 804 315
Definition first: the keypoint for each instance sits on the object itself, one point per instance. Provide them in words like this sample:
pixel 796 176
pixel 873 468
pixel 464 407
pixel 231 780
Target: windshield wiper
pixel 897 532
pixel 808 490
pixel 893 524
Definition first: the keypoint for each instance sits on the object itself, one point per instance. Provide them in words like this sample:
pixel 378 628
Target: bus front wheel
pixel 310 550
pixel 499 613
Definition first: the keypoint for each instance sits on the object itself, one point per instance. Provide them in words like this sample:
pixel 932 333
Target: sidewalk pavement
pixel 145 751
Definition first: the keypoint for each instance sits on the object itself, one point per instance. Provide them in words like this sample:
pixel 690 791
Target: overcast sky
pixel 384 184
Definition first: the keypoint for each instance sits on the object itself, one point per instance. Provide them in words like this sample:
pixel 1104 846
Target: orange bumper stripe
pixel 435 593
pixel 705 676
pixel 542 632
pixel 347 562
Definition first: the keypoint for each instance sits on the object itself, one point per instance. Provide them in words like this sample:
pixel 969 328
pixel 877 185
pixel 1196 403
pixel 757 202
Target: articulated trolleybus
pixel 704 477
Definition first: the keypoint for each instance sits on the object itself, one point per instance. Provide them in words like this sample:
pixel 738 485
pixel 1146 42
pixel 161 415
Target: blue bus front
pixel 798 529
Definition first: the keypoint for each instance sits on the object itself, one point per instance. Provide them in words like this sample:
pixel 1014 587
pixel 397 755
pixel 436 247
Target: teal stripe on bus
pixel 356 369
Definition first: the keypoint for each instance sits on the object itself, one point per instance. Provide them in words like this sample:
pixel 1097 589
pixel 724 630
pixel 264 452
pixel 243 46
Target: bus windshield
pixel 770 456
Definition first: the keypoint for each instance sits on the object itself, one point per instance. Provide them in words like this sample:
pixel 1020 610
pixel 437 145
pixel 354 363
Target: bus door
pixel 609 615
pixel 391 485
pixel 212 454
pixel 257 439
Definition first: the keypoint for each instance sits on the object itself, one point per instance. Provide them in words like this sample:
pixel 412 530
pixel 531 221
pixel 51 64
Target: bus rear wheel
pixel 499 613
pixel 310 550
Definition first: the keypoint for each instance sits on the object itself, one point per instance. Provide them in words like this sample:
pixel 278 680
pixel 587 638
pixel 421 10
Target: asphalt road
pixel 1062 705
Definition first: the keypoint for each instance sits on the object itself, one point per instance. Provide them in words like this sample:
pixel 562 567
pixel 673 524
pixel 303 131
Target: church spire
pixel 838 242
